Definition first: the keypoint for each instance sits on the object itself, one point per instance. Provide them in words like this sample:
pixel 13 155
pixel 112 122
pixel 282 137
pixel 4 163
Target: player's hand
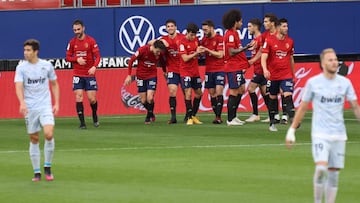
pixel 290 138
pixel 81 61
pixel 251 62
pixel 55 109
pixel 23 109
pixel 128 80
pixel 200 49
pixel 267 74
pixel 250 44
pixel 92 70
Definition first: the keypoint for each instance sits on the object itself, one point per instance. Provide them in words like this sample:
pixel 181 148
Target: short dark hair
pixel 35 45
pixel 159 44
pixel 209 23
pixel 170 21
pixel 231 17
pixel 256 22
pixel 192 27
pixel 78 22
pixel 272 18
pixel 283 20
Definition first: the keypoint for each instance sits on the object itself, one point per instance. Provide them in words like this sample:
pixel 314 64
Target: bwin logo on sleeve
pixel 135 32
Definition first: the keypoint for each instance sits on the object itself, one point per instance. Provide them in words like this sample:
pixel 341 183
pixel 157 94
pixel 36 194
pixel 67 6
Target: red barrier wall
pixel 111 92
pixel 28 4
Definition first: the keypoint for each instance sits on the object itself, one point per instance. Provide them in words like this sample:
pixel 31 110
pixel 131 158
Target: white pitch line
pixel 166 147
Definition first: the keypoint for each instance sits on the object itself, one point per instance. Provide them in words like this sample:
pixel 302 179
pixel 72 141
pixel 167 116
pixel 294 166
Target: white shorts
pixel 332 152
pixel 35 119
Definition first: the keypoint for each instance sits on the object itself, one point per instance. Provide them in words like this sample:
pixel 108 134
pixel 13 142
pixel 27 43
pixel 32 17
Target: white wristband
pixel 290 135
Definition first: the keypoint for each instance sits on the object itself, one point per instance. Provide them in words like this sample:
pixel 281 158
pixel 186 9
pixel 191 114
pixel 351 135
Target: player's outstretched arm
pixel 355 106
pixel 217 54
pixel 233 51
pixel 19 88
pixel 256 57
pixel 299 115
pixel 187 57
pixel 264 57
pixel 55 88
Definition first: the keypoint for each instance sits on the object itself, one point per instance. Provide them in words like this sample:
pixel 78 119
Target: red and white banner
pixel 28 4
pixel 116 99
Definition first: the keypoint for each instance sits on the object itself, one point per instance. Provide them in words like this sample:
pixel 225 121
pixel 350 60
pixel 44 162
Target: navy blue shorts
pixel 214 78
pixel 285 85
pixel 259 79
pixel 84 83
pixel 236 79
pixel 145 85
pixel 173 78
pixel 191 82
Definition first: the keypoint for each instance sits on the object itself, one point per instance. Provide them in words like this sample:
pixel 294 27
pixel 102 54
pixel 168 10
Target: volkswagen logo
pixel 135 32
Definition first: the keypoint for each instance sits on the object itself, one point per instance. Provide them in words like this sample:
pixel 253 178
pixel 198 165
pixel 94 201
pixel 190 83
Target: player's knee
pixel 79 97
pixel 320 174
pixel 241 90
pixel 92 99
pixel 34 139
pixel 49 134
pixel 143 100
pixel 251 89
pixel 172 92
pixel 273 96
pixel 212 94
pixel 333 178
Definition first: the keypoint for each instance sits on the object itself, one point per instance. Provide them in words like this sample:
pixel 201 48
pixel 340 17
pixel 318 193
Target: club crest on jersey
pixel 287 45
pixel 231 38
pixel 86 45
pixel 214 43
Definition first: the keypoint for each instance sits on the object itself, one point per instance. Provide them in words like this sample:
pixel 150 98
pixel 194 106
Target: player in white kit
pixel 327 92
pixel 32 79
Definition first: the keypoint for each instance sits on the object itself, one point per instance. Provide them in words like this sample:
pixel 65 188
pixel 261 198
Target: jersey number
pixel 319 147
pixel 140 83
pixel 76 80
pixel 238 77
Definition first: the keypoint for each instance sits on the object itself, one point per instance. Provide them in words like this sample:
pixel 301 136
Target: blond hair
pixel 326 51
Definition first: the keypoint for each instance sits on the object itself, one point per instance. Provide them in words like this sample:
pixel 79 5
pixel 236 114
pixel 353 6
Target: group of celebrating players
pixel 272 59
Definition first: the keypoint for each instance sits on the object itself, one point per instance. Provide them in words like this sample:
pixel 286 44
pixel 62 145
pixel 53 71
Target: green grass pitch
pixel 127 161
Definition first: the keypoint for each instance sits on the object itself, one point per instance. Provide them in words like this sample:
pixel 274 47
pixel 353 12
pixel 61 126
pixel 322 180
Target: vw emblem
pixel 135 32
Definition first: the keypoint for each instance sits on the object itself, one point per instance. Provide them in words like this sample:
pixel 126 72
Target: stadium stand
pixel 162 2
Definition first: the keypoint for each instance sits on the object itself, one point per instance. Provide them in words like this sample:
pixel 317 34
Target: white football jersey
pixel 328 97
pixel 35 78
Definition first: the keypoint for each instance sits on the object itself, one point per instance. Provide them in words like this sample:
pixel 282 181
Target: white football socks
pixel 319 182
pixel 34 151
pixel 49 147
pixel 332 186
